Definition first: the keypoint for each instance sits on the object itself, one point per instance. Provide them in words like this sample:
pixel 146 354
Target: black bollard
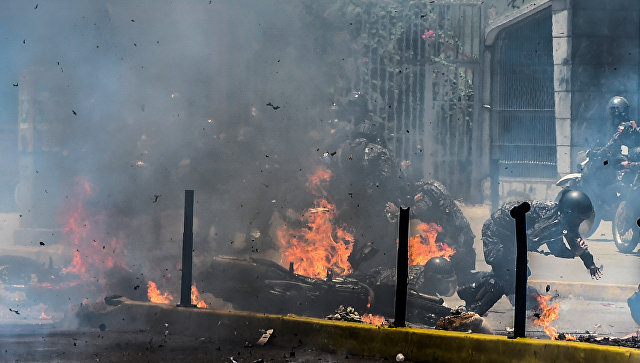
pixel 519 214
pixel 187 251
pixel 402 269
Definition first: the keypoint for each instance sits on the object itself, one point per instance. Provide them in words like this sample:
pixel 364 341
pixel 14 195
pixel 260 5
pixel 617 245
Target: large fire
pixel 93 252
pixel 548 315
pixel 423 246
pixel 320 246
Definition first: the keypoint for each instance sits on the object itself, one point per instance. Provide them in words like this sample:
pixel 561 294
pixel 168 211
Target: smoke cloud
pixel 142 100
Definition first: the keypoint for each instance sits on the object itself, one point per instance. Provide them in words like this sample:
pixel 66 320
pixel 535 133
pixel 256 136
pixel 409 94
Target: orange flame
pixel 423 246
pixel 548 315
pixel 316 181
pixel 570 337
pixel 195 297
pixel 92 254
pixel 321 245
pixel 44 316
pixel 155 296
pixel 373 319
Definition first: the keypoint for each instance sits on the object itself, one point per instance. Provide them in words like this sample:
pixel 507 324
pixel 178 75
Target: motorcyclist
pixel 557 225
pixel 438 278
pixel 626 133
pixel 360 187
pixel 369 187
pixel 431 203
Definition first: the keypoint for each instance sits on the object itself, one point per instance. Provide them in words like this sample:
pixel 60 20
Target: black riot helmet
pixel 618 110
pixel 439 278
pixel 576 210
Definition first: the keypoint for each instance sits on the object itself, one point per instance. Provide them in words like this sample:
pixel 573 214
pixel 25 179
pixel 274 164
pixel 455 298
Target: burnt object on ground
pixel 345 314
pixel 262 285
pixel 630 342
pixel 463 321
pixel 421 308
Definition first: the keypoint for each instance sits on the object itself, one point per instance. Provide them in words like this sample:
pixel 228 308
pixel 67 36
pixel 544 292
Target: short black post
pixel 187 251
pixel 519 214
pixel 291 268
pixel 402 269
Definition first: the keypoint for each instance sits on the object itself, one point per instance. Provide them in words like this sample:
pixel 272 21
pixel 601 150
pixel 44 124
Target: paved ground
pixel 608 316
pixel 38 344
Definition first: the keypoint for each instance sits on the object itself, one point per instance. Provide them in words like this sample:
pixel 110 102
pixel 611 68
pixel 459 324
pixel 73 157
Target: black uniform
pixel 547 224
pixel 431 203
pixel 544 227
pixel 360 188
pixel 364 185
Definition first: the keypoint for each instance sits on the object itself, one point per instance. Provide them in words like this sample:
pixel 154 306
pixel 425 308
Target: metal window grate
pixel 426 95
pixel 523 131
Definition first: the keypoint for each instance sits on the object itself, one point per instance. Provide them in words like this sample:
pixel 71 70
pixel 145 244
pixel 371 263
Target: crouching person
pixel 559 226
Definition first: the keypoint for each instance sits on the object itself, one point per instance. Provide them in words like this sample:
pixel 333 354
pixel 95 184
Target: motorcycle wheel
pixel 624 228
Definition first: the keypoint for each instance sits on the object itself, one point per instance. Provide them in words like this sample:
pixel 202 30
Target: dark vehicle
pixel 600 179
pixel 626 233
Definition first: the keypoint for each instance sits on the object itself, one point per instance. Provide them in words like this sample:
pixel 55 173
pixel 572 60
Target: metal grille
pixel 425 96
pixel 523 132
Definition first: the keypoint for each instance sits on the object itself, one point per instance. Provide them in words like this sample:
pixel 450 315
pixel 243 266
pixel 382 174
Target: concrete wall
pixel 561 32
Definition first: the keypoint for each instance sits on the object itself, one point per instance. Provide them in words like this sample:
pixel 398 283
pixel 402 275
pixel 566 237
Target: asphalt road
pixel 31 343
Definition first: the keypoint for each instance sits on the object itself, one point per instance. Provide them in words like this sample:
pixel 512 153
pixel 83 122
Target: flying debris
pixel 272 106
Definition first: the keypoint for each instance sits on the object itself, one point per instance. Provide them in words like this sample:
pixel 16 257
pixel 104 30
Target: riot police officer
pixel 557 225
pixel 626 131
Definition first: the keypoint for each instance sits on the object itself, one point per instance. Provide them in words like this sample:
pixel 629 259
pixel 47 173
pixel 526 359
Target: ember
pixel 320 246
pixel 548 315
pixel 155 296
pixel 423 246
pixel 373 319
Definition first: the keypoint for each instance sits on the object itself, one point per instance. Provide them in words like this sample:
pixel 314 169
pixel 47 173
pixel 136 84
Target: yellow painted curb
pixel 349 338
pixel 586 290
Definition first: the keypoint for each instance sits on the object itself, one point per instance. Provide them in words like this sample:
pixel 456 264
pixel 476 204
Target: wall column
pixel 561 32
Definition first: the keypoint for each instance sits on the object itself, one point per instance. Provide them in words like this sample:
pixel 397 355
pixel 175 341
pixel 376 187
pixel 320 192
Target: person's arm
pixel 559 249
pixel 580 249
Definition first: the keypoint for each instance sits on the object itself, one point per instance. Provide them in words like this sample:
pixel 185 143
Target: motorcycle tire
pixel 624 228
